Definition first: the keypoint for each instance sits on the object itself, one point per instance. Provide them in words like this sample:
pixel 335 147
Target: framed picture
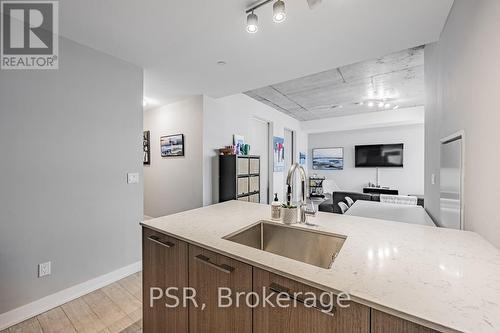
pixel 328 159
pixel 172 145
pixel 279 154
pixel 238 139
pixel 302 158
pixel 146 147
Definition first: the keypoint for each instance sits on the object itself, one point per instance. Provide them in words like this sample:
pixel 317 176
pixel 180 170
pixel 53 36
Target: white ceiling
pixel 178 43
pixel 397 80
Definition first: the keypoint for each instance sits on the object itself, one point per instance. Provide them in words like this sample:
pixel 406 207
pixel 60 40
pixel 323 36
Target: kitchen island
pixel 400 277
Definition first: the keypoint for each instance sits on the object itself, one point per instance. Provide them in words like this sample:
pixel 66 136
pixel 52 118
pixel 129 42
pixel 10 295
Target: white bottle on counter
pixel 276 209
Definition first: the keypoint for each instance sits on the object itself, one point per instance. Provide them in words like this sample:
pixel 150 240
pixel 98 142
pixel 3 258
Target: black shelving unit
pixel 239 178
pixel 316 187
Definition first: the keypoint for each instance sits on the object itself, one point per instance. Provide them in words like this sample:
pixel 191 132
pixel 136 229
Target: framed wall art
pixel 172 145
pixel 146 147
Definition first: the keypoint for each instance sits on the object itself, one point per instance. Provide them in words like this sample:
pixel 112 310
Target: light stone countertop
pixel 445 279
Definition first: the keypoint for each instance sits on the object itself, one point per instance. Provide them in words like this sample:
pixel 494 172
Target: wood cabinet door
pixel 299 318
pixel 207 272
pixel 165 264
pixel 385 323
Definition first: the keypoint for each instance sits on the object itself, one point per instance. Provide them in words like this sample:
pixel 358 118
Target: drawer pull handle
pixel 156 240
pixel 223 268
pixel 317 305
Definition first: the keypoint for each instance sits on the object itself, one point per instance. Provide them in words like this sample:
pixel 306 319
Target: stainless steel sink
pixel 312 247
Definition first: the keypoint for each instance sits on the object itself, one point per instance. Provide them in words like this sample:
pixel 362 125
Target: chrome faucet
pixel 304 212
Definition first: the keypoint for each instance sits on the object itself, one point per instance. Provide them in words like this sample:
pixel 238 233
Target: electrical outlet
pixel 132 178
pixel 44 269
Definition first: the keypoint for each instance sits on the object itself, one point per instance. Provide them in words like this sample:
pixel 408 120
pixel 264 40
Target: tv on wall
pixel 379 156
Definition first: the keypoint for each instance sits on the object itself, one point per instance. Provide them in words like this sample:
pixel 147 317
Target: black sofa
pixel 331 205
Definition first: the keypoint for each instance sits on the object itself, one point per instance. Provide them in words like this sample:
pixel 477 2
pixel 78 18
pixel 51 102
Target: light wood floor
pixel 112 309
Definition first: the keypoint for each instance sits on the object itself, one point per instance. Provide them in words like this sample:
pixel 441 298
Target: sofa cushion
pixel 331 205
pixel 326 206
pixel 340 196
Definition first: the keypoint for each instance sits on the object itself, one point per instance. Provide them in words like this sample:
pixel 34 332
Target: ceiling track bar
pixel 260 4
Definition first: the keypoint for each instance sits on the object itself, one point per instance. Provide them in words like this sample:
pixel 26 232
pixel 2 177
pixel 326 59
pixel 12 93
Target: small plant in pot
pixel 289 213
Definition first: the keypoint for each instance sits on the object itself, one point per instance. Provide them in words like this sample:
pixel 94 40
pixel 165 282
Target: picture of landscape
pixel 328 159
pixel 172 145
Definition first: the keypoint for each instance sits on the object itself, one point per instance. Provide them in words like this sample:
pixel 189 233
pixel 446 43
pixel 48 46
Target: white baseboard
pixel 42 305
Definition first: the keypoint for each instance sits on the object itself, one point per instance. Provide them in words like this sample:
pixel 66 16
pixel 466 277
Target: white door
pixel 259 140
pixel 451 187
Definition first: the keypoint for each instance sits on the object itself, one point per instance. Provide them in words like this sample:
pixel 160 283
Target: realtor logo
pixel 29 34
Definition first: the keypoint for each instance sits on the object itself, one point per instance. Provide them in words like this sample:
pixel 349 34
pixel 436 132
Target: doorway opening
pixel 452 182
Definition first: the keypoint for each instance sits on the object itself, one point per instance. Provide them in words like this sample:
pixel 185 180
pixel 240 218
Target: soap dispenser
pixel 276 209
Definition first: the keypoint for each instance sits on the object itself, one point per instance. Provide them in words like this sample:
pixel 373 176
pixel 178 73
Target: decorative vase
pixel 289 215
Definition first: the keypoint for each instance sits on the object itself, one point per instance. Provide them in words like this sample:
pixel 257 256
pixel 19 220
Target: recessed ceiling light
pixel 388 105
pixel 279 14
pixel 221 62
pixel 371 104
pixel 361 103
pixel 252 21
pixel 380 104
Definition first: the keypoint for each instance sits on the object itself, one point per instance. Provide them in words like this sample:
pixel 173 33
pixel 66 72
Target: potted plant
pixel 289 213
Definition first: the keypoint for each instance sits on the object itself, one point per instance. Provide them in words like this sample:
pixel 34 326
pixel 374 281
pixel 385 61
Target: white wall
pixel 408 180
pixel 230 115
pixel 376 119
pixel 174 184
pixel 462 73
pixel 68 137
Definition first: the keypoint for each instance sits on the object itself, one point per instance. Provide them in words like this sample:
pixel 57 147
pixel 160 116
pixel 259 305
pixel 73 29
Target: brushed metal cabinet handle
pixel 283 290
pixel 156 240
pixel 223 268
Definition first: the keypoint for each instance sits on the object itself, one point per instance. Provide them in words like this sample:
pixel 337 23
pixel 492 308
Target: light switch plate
pixel 132 178
pixel 433 179
pixel 44 269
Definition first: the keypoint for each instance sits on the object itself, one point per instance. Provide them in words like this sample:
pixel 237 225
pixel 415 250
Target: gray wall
pixel 462 73
pixel 68 137
pixel 175 184
pixel 409 179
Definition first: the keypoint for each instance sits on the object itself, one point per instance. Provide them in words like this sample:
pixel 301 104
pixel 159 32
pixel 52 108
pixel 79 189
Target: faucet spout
pixel 289 182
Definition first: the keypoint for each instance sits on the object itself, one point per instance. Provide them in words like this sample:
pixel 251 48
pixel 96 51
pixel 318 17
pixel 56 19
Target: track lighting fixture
pixel 252 21
pixel 279 14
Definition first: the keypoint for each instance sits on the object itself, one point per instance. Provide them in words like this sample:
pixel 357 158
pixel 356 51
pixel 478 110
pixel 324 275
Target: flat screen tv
pixel 379 156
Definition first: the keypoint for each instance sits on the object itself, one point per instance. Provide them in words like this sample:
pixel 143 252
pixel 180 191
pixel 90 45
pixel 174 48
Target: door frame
pixel 294 143
pixel 270 155
pixel 459 135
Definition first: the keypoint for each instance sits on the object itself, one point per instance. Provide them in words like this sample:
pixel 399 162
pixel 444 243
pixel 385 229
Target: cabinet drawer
pixel 242 186
pixel 254 184
pixel 209 271
pixel 254 166
pixel 385 323
pixel 254 198
pixel 165 264
pixel 299 318
pixel 242 166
